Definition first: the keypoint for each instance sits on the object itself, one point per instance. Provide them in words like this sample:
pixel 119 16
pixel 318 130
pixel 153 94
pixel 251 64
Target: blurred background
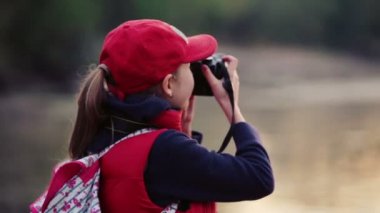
pixel 310 81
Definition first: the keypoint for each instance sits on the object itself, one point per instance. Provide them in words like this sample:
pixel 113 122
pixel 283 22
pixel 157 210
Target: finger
pixel 210 77
pixel 190 108
pixel 230 59
pixel 192 101
pixel 232 63
pixel 188 113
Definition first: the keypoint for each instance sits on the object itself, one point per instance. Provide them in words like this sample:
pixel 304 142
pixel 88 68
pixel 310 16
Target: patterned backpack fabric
pixel 75 186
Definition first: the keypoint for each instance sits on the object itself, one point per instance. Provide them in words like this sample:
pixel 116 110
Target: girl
pixel 144 81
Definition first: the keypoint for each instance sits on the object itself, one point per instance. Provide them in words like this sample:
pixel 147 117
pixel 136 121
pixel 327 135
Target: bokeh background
pixel 310 82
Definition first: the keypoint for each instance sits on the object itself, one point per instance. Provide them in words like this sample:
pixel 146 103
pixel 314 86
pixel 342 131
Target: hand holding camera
pixel 217 67
pixel 217 76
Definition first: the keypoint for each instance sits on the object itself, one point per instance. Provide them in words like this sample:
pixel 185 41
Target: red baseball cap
pixel 140 53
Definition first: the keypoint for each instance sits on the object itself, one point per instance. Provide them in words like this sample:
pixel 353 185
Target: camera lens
pixel 217 67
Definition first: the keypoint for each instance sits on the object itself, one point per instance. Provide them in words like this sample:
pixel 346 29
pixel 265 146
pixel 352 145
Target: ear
pixel 167 85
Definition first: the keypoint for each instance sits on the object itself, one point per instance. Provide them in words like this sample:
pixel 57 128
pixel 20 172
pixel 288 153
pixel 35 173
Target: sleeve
pixel 181 169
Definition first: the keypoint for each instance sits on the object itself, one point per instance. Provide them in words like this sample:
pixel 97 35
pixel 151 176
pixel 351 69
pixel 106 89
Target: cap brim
pixel 200 47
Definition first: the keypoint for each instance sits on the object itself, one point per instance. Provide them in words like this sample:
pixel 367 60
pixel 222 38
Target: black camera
pixel 217 67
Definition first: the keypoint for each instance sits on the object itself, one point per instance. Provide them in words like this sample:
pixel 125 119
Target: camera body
pixel 217 67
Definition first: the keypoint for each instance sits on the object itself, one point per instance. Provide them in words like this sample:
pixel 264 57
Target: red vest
pixel 122 187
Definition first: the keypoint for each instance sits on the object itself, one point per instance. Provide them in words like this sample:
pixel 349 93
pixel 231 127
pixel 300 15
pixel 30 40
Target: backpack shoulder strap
pixel 84 168
pixel 133 134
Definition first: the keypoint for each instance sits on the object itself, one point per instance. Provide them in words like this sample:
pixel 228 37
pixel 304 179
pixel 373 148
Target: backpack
pixel 74 186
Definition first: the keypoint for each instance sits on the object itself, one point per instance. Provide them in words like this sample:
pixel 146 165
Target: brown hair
pixel 91 114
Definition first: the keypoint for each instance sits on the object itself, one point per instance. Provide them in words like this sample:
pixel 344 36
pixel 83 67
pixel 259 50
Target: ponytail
pixel 90 115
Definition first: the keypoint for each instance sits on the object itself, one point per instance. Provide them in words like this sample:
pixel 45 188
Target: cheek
pixel 190 82
pixel 187 86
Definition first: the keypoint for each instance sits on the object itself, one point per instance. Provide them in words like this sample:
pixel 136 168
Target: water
pixel 325 156
pixel 318 115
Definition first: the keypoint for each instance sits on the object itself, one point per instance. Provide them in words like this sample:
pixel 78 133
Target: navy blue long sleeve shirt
pixel 179 168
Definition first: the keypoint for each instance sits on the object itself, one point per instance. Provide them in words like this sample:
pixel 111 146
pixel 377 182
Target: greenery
pixel 51 40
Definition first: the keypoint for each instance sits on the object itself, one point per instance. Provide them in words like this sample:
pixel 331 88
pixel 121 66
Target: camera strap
pixel 228 87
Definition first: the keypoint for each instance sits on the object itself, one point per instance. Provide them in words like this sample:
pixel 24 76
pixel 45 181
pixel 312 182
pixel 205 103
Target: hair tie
pixel 109 83
pixel 107 74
